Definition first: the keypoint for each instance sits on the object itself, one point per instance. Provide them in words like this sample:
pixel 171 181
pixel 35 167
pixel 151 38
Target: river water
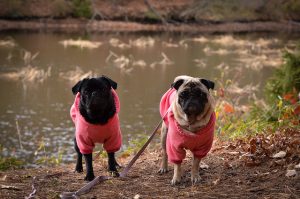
pixel 38 70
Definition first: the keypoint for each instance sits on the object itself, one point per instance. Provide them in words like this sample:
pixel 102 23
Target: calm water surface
pixel 34 114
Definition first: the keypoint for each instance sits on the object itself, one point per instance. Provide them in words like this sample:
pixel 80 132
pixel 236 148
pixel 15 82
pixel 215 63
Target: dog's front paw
pixel 114 173
pixel 118 166
pixel 175 181
pixel 162 170
pixel 195 178
pixel 79 169
pixel 89 177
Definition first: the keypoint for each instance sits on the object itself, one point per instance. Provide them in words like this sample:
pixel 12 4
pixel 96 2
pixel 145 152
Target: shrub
pixel 286 79
pixel 82 8
pixel 61 8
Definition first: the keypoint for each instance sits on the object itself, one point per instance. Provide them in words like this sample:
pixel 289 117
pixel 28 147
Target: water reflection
pixel 37 73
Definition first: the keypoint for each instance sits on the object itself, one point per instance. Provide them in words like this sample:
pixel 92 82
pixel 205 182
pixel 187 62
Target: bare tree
pixel 163 20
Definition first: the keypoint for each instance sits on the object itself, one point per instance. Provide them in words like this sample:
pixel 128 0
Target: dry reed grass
pixel 9 43
pixel 164 62
pixel 28 74
pixel 143 42
pixel 74 76
pixel 80 43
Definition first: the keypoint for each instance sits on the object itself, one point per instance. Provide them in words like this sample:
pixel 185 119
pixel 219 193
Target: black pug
pixel 95 115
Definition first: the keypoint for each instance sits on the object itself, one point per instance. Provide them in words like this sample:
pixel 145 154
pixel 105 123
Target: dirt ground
pixel 231 173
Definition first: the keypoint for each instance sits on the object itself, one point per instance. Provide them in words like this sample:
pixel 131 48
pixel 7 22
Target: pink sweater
pixel 199 143
pixel 88 134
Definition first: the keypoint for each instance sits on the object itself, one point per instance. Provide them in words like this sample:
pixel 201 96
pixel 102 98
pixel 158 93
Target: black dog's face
pixel 95 95
pixel 96 99
pixel 192 96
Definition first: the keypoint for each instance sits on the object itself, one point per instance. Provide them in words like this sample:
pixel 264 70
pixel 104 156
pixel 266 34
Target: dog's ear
pixel 112 83
pixel 209 84
pixel 77 86
pixel 177 84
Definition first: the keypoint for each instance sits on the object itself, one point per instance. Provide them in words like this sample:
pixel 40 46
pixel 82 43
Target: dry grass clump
pixel 124 63
pixel 80 43
pixel 143 42
pixel 118 43
pixel 164 62
pixel 28 74
pixel 9 43
pixel 229 40
pixel 75 75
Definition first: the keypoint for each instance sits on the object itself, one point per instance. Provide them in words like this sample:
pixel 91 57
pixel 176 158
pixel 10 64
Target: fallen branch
pixel 85 189
pixel 123 174
pixel 10 187
pixel 31 195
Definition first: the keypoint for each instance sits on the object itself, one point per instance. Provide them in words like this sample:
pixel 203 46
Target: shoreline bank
pixel 79 25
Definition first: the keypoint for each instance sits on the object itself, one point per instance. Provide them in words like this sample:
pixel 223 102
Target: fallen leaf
pixel 252 148
pixel 280 154
pixel 228 108
pixel 297 110
pixel 221 92
pixel 233 152
pixel 227 165
pixel 204 166
pixel 280 162
pixel 288 96
pixel 291 173
pixel 215 182
pixel 264 174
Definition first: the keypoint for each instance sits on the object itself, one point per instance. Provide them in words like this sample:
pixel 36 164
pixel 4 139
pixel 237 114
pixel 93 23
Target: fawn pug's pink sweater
pixel 178 140
pixel 88 134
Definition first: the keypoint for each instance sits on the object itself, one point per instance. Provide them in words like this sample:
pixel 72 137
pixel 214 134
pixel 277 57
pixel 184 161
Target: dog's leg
pixel 112 165
pixel 78 167
pixel 195 177
pixel 89 167
pixel 164 162
pixel 177 174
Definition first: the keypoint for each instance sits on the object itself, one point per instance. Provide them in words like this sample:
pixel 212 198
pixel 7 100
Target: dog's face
pixel 96 99
pixel 193 100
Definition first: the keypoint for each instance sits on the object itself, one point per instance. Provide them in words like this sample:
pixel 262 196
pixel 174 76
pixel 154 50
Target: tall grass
pixel 286 79
pixel 281 110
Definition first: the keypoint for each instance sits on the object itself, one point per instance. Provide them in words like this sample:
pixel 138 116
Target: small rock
pixel 297 166
pixel 204 166
pixel 291 173
pixel 137 196
pixel 280 154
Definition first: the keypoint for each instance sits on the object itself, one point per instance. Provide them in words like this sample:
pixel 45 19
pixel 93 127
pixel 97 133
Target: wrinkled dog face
pixel 193 100
pixel 96 99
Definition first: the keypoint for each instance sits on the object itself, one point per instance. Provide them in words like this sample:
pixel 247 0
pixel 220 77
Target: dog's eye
pixel 184 94
pixel 85 93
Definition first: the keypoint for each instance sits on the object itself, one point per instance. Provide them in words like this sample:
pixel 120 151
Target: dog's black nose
pixel 191 109
pixel 94 93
